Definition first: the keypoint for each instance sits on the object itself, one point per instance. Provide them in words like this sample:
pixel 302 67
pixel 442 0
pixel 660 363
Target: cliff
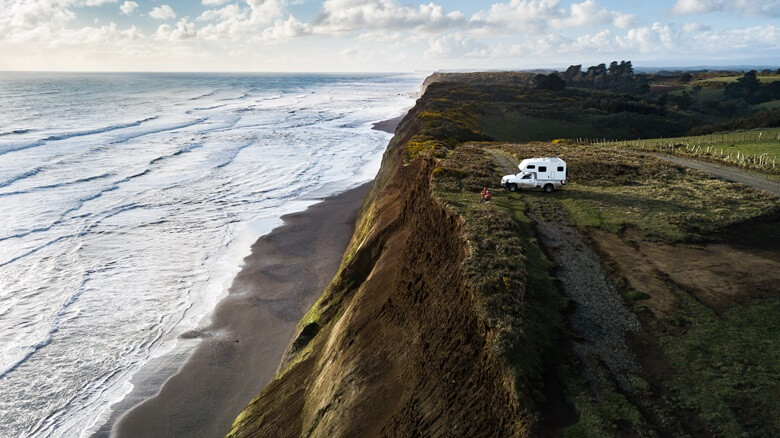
pixel 626 304
pixel 398 344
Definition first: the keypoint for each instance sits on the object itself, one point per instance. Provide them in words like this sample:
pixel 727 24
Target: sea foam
pixel 128 202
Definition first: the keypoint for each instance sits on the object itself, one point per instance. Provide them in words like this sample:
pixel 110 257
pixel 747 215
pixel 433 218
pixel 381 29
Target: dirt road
pixel 724 172
pixel 600 320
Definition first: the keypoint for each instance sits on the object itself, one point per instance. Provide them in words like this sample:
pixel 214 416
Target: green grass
pixel 615 191
pixel 706 93
pixel 729 79
pixel 511 126
pixel 605 416
pixel 506 266
pixel 728 366
pixel 756 149
pixel 506 260
pixel 772 104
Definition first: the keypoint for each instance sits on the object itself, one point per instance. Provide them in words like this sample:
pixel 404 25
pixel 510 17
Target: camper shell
pixel 548 173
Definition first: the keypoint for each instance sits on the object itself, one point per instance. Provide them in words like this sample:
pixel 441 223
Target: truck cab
pixel 548 173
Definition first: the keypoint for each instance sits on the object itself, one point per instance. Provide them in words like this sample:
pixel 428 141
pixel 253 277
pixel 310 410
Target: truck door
pixel 527 180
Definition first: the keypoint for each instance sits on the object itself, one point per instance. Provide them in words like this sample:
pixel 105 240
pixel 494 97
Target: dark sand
pixel 251 327
pixel 388 125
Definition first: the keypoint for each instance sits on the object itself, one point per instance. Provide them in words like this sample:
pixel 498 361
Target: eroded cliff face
pixel 397 345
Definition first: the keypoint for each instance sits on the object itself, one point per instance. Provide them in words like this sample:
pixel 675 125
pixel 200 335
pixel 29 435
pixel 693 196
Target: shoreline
pixel 251 327
pixel 389 125
pixel 181 384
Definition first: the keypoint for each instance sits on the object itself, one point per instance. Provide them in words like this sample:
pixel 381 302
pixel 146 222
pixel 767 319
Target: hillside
pixel 638 300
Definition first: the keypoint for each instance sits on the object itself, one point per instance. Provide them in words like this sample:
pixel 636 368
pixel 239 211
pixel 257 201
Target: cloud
pixel 285 29
pixel 348 53
pixel 756 38
pixel 534 16
pixel 261 20
pixel 163 12
pixel 750 8
pixel 229 12
pixel 529 15
pixel 214 2
pixel 93 2
pixel 695 27
pixel 184 30
pixel 338 16
pixel 456 45
pixel 128 8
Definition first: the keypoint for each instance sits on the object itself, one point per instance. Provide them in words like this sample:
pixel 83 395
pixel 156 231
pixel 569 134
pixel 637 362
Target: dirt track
pixel 724 172
pixel 600 320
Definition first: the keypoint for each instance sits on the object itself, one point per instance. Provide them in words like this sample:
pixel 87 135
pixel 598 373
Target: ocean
pixel 128 201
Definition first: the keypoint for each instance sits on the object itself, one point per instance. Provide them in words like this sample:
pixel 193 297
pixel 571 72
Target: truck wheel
pixel 513 187
pixel 548 188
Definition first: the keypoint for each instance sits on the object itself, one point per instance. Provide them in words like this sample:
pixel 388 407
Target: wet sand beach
pixel 252 326
pixel 201 393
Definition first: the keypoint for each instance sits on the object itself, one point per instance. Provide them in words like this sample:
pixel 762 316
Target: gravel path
pixel 724 172
pixel 600 320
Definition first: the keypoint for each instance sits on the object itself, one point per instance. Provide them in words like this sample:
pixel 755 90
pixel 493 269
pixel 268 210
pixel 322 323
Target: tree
pixel 614 68
pixel 686 77
pixel 683 101
pixel 628 69
pixel 744 88
pixel 574 71
pixel 597 70
pixel 549 82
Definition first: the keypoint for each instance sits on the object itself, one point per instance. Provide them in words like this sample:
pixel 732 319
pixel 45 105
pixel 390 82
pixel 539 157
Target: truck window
pixel 542 168
pixel 530 166
pixel 560 168
pixel 526 176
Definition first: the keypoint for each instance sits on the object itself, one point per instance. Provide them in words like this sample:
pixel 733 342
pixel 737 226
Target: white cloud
pixel 184 30
pixel 751 8
pixel 349 15
pixel 163 12
pixel 756 38
pixel 285 29
pixel 695 27
pixel 229 12
pixel 266 11
pixel 128 8
pixel 533 16
pixel 421 34
pixel 624 21
pixel 262 20
pixel 348 53
pixel 587 13
pixel 456 45
pixel 93 2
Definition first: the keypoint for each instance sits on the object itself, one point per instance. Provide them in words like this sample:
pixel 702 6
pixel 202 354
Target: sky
pixel 382 35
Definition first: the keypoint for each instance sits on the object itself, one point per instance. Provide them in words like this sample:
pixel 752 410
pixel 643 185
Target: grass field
pixel 757 149
pixel 728 79
pixel 773 104
pixel 614 191
pixel 617 191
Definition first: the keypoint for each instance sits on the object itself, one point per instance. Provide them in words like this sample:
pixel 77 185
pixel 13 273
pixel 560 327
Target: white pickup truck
pixel 548 173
